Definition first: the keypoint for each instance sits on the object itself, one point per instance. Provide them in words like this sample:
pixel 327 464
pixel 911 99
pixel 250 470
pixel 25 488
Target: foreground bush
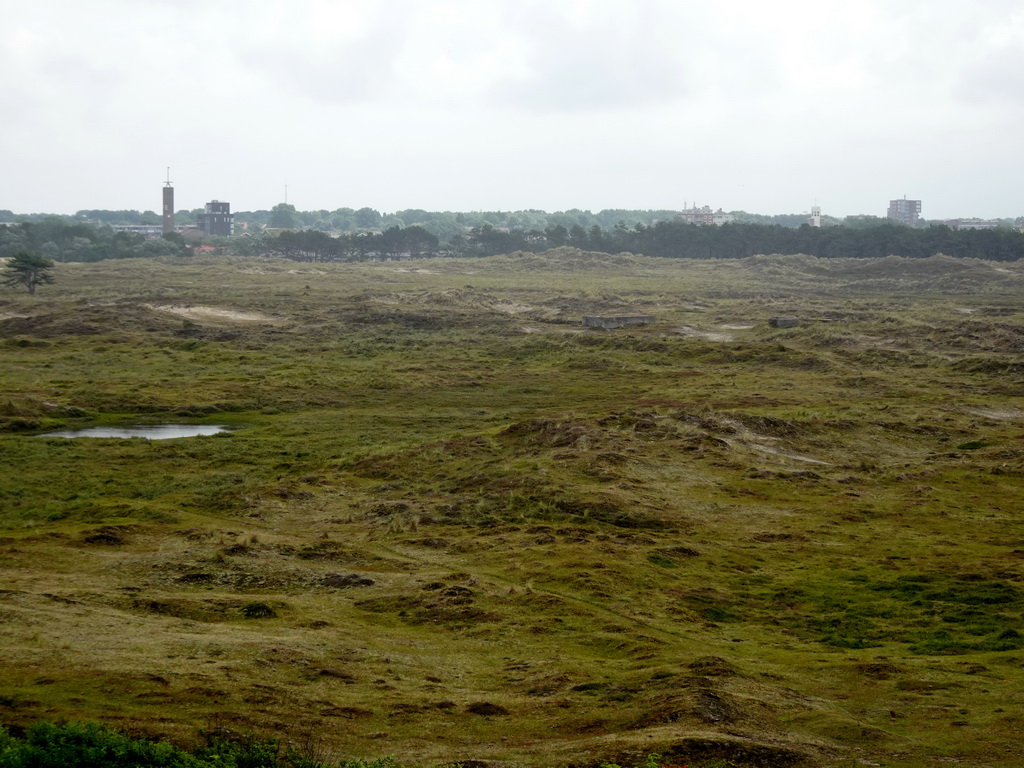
pixel 90 745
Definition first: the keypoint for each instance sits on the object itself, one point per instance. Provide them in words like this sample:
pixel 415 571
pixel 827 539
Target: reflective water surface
pixel 157 432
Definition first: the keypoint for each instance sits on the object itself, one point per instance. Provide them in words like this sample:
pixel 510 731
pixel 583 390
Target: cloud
pixel 461 55
pixel 587 56
pixel 563 102
pixel 355 70
pixel 328 52
pixel 991 72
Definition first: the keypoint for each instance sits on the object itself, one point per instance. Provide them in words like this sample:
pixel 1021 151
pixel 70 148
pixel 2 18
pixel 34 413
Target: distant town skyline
pixel 905 210
pixel 689 212
pixel 466 105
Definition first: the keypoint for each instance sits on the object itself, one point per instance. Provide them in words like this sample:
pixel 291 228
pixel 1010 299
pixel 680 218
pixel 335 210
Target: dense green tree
pixel 343 219
pixel 367 218
pixel 169 244
pixel 391 242
pixel 419 242
pixel 490 241
pixel 444 227
pixel 527 220
pixel 578 237
pixel 13 239
pixel 27 269
pixel 556 235
pixel 414 216
pixel 251 244
pixel 109 217
pixel 283 216
pixel 458 245
pixel 302 245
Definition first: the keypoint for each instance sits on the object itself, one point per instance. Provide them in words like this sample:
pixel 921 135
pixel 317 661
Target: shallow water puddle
pixel 157 432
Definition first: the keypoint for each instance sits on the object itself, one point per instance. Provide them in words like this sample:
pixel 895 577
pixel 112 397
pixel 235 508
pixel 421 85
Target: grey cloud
pixel 76 72
pixel 345 72
pixel 619 61
pixel 994 78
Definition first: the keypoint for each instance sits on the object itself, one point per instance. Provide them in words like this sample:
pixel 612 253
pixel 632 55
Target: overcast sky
pixel 768 107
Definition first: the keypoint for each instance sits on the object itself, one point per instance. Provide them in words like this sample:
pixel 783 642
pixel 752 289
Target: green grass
pixel 443 500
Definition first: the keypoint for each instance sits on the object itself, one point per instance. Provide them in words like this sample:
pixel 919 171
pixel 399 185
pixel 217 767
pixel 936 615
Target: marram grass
pixel 448 523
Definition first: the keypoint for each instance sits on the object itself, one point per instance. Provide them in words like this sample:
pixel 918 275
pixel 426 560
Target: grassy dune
pixel 452 524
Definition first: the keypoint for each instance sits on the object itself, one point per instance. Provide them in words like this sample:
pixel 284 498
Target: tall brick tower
pixel 168 204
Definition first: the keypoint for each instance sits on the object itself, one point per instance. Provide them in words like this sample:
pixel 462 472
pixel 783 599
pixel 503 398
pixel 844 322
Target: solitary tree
pixel 28 269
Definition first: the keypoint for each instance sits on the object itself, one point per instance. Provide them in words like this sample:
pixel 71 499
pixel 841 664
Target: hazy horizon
pixel 385 213
pixel 498 105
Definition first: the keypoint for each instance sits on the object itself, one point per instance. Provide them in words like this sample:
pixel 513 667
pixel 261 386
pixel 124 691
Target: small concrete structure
pixel 783 321
pixel 620 321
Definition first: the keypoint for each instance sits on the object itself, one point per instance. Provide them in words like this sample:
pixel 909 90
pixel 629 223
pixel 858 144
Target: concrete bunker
pixel 616 321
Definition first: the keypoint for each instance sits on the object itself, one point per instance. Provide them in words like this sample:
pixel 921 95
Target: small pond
pixel 155 432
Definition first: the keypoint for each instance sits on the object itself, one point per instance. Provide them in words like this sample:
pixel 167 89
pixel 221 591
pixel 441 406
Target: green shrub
pixel 660 560
pixel 240 753
pixel 89 745
pixel 258 611
pixel 972 445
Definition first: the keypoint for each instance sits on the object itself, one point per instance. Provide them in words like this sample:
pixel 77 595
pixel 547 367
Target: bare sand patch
pixel 213 313
pixel 694 333
pixel 998 414
pixel 748 439
pixel 511 309
pixel 786 455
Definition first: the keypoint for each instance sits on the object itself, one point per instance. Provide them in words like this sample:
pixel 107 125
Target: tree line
pixel 59 240
pixel 668 239
pixel 886 238
pixel 314 245
pixel 443 224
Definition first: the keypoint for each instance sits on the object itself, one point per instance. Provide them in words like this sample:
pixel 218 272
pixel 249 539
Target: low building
pixel 972 223
pixel 191 234
pixel 149 230
pixel 704 215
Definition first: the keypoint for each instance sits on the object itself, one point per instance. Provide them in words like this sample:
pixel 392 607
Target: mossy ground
pixel 481 531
